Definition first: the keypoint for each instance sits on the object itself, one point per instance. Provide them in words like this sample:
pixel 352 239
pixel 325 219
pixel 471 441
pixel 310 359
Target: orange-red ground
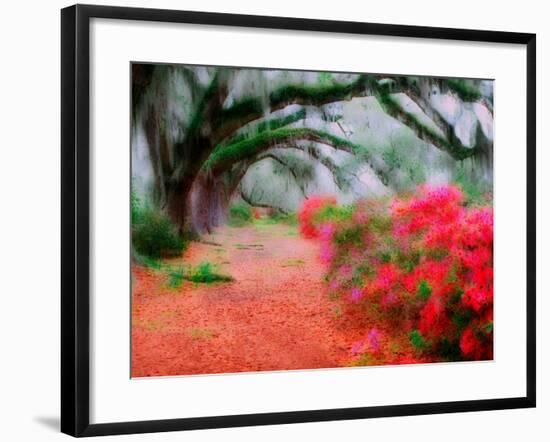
pixel 276 315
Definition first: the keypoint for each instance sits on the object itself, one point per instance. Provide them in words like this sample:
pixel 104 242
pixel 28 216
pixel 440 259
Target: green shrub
pixel 240 214
pixel 146 261
pixel 332 213
pixel 154 235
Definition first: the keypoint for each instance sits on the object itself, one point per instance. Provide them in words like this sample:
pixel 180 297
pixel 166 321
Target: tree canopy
pixel 204 127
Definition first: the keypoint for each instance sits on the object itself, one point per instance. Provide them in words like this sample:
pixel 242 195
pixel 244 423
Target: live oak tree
pixel 203 135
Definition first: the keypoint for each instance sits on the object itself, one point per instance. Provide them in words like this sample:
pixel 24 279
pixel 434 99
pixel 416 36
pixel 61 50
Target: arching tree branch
pixel 197 145
pixel 444 138
pixel 447 142
pixel 224 157
pixel 249 201
pixel 269 125
pixel 251 109
pixel 285 164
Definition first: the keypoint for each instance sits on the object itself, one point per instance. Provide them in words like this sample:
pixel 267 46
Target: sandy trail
pixel 276 315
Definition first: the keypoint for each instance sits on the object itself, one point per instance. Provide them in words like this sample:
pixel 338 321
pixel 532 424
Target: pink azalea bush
pixel 421 265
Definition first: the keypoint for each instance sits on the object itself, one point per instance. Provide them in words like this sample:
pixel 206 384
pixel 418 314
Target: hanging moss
pixel 277 123
pixel 465 89
pixel 273 124
pixel 392 107
pixel 198 117
pixel 241 109
pixel 315 94
pixel 325 92
pixel 325 78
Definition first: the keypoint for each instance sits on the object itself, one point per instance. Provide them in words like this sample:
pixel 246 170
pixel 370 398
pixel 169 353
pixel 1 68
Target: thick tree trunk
pixel 178 208
pixel 209 202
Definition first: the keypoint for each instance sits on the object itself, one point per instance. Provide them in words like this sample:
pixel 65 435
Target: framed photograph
pixel 272 220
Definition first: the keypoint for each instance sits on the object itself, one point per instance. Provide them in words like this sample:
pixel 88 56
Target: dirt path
pixel 276 315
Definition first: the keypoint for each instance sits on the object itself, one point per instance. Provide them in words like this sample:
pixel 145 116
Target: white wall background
pixel 29 221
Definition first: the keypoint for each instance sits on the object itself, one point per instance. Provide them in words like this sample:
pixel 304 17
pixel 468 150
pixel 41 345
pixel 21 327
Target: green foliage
pixel 461 318
pixel 333 213
pixel 450 350
pixel 285 218
pixel 399 156
pixel 145 261
pixel 424 290
pixel 154 235
pixel 465 89
pixel 351 235
pixel 472 189
pixel 417 340
pixel 416 173
pixel 325 78
pixel 205 272
pixel 176 277
pixel 135 205
pixel 363 271
pixel 380 223
pixel 408 261
pixel 392 158
pixel 240 214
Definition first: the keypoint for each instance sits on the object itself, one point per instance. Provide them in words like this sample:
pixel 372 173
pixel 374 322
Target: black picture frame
pixel 75 225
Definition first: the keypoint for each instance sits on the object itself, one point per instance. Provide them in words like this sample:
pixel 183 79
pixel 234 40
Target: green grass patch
pixel 203 273
pixel 262 223
pixel 290 219
pixel 206 273
pixel 240 214
pixel 176 277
